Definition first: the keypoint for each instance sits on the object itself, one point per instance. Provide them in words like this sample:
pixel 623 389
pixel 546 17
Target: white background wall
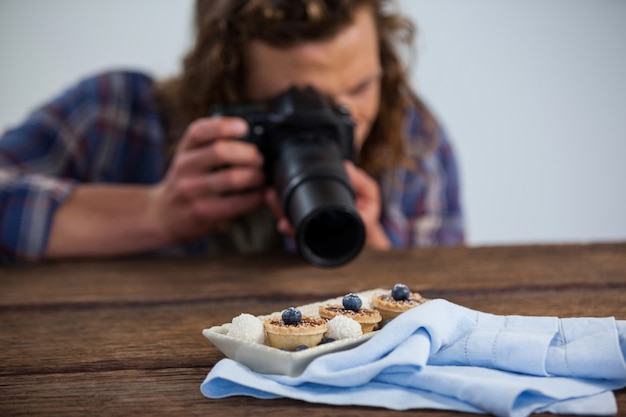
pixel 532 93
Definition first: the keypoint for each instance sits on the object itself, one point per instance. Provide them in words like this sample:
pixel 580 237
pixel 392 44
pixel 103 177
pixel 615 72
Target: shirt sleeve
pixel 446 227
pixel 27 204
pixel 103 129
pixel 33 158
pixel 422 204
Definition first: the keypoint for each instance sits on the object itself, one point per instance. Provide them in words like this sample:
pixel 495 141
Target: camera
pixel 304 137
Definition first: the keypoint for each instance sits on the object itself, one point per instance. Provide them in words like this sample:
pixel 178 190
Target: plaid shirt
pixel 107 129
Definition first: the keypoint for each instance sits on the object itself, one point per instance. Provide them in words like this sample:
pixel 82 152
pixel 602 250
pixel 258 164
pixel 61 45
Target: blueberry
pixel 352 302
pixel 300 347
pixel 400 292
pixel 292 316
pixel 327 340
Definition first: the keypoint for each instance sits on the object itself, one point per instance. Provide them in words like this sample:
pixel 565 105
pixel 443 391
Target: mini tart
pixel 309 331
pixel 366 317
pixel 390 308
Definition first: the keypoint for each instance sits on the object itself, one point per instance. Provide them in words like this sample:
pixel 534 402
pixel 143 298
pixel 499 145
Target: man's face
pixel 346 67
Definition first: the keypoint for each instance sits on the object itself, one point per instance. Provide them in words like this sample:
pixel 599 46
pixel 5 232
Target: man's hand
pixel 212 177
pixel 367 204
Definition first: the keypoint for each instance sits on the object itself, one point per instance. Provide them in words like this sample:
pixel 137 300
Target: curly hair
pixel 214 69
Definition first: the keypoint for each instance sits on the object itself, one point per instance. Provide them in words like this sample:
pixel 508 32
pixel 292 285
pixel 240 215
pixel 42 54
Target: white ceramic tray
pixel 268 360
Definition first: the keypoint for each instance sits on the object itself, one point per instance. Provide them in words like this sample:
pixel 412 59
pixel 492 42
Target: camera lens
pixel 319 200
pixel 329 230
pixel 332 236
pixel 304 137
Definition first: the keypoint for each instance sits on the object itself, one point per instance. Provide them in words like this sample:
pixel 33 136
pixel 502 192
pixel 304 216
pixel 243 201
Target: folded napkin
pixel 444 356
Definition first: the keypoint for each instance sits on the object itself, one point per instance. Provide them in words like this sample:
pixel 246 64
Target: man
pixel 121 165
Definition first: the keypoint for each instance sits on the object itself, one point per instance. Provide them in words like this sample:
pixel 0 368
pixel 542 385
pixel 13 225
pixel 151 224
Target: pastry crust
pixel 309 331
pixel 366 317
pixel 390 308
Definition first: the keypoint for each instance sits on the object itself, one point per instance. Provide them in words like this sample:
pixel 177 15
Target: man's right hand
pixel 212 177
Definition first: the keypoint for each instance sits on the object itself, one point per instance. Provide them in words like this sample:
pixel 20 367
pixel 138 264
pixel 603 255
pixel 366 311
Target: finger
pixel 208 129
pixel 283 226
pixel 225 181
pixel 227 207
pixel 217 154
pixel 274 203
pixel 363 184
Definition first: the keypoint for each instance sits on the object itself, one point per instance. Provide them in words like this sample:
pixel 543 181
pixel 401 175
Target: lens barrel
pixel 304 137
pixel 319 201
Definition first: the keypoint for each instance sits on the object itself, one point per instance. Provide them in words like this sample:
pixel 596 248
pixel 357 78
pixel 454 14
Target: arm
pixel 452 230
pixel 196 194
pixel 434 213
pixel 27 203
pixel 83 176
pixel 52 218
pixel 104 129
pixel 104 220
pixel 422 205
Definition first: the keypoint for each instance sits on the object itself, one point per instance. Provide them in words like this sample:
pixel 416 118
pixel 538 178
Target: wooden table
pixel 124 337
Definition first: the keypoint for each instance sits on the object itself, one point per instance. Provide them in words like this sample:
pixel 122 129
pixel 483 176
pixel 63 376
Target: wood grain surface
pixel 123 337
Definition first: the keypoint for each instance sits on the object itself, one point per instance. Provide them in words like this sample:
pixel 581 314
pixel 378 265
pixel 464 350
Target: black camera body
pixel 304 138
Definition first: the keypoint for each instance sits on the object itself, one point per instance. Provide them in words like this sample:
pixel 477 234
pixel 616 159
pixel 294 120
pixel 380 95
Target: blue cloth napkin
pixel 444 356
